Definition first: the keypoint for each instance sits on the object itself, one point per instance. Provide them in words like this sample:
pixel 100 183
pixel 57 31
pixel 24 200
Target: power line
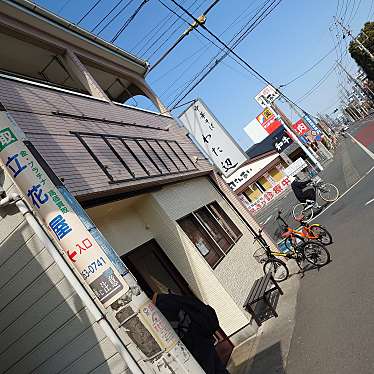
pixel 89 11
pixel 216 61
pixel 318 84
pixel 115 16
pixel 243 14
pixel 311 68
pixel 108 14
pixel 172 32
pixel 128 21
pixel 227 51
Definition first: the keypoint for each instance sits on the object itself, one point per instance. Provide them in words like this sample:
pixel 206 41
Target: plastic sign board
pixel 266 96
pixel 300 127
pixel 220 147
pixel 80 247
pixel 295 167
pixel 282 142
pixel 262 126
pixel 268 121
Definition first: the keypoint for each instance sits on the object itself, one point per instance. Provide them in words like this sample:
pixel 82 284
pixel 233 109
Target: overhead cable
pixel 128 21
pixel 115 16
pixel 108 14
pixel 89 11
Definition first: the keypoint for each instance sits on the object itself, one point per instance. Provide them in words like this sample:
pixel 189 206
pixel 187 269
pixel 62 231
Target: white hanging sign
pixel 213 138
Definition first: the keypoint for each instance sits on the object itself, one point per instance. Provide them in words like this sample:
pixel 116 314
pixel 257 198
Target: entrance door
pixel 156 273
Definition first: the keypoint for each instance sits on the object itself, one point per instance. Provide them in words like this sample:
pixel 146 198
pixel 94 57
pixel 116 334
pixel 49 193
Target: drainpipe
pixel 14 198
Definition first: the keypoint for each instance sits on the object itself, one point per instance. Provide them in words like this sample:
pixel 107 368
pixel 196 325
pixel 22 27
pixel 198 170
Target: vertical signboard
pixel 213 138
pixel 300 127
pixel 266 96
pixel 80 247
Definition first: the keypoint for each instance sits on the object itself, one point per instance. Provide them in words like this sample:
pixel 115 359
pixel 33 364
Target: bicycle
pixel 307 231
pixel 326 191
pixel 308 250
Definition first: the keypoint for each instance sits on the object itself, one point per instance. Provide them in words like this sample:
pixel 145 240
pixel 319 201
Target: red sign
pixel 268 121
pixel 300 127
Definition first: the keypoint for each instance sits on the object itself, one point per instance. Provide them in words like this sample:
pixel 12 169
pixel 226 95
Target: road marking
pixel 343 194
pixel 369 202
pixel 367 151
pixel 266 221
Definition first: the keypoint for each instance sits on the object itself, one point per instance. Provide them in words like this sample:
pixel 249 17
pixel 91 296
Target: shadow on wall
pixel 44 326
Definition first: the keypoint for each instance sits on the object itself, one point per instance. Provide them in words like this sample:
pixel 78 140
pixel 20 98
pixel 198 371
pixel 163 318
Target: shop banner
pixel 80 247
pixel 213 138
pixel 268 196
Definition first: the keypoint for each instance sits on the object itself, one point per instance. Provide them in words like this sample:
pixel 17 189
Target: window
pixel 211 231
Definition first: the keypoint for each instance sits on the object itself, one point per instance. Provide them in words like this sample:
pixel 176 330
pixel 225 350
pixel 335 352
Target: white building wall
pixel 44 327
pixel 129 223
pixel 120 223
pixel 238 270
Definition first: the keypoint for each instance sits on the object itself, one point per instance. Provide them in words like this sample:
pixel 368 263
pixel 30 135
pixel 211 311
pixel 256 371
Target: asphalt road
pixel 350 163
pixel 334 322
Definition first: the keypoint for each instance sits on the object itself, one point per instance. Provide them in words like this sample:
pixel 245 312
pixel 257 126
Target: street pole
pixel 275 109
pixel 355 39
pixel 200 21
pixel 356 82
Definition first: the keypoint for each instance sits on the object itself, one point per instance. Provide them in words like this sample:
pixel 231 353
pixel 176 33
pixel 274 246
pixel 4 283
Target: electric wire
pixel 128 21
pixel 242 15
pixel 228 51
pixel 115 16
pixel 89 11
pixel 107 15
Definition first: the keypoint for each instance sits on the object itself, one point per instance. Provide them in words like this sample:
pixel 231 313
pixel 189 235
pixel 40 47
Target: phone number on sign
pixel 92 268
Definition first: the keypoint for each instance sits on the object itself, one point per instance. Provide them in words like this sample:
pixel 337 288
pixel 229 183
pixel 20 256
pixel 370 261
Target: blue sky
pixel 288 42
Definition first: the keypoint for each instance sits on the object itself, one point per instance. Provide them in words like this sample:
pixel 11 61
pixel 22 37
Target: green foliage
pixel 362 59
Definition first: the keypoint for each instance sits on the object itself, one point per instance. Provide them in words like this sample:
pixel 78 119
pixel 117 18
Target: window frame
pixel 202 226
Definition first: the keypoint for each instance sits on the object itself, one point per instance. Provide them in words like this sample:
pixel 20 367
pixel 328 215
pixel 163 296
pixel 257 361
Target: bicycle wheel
pixel 298 210
pixel 316 253
pixel 321 234
pixel 278 268
pixel 328 192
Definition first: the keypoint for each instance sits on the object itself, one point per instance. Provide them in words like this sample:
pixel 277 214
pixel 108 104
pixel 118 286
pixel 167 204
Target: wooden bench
pixel 261 291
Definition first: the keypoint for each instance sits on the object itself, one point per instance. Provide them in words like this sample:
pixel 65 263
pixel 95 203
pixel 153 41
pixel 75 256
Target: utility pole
pixel 354 39
pixel 356 82
pixel 285 121
pixel 200 21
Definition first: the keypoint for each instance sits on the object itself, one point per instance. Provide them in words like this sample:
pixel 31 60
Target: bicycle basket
pixel 260 255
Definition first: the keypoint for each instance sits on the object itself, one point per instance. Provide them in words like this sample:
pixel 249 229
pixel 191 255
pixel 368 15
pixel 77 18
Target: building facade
pixel 172 220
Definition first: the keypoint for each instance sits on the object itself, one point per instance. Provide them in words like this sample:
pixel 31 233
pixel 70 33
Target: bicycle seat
pixel 286 234
pixel 300 218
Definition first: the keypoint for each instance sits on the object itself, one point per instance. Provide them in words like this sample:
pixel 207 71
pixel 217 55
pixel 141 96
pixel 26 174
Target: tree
pixel 366 37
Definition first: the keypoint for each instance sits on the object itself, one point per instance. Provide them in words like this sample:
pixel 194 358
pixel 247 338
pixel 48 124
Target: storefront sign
pixel 282 142
pixel 268 121
pixel 213 138
pixel 246 172
pixel 295 167
pixel 266 96
pixel 300 127
pixel 80 247
pixel 268 196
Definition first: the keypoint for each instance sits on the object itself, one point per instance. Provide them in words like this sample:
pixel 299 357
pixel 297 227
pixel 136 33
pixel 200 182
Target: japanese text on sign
pixel 213 138
pixel 65 226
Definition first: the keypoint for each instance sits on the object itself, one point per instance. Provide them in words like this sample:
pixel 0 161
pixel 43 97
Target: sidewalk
pixel 267 351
